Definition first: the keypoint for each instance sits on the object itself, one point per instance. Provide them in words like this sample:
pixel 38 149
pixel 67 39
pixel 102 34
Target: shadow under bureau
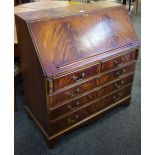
pixel 77 62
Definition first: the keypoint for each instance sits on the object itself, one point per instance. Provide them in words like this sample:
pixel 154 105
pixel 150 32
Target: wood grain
pixel 72 104
pixel 73 92
pixel 75 77
pixel 33 76
pixel 89 110
pixel 118 61
pixel 77 63
pixel 64 41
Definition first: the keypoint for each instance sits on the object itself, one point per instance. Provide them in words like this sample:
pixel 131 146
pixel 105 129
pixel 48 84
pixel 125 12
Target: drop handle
pixel 99 77
pixel 117 63
pixel 76 78
pixel 117 97
pixel 73 107
pixel 120 73
pixel 119 85
pixel 73 94
pixel 124 70
pixel 73 120
pixel 122 82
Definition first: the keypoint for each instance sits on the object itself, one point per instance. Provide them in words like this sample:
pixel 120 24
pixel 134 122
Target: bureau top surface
pixel 56 9
pixel 67 35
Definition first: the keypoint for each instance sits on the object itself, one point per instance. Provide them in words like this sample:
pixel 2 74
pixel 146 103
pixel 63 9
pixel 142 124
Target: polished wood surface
pixel 68 10
pixel 103 31
pixel 79 89
pixel 89 109
pixel 32 75
pixel 118 61
pixel 76 66
pixel 116 74
pixel 75 77
pixel 34 6
pixel 101 79
pixel 73 41
pixel 78 101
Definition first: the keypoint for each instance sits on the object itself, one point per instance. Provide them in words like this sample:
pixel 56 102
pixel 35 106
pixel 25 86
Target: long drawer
pixel 102 79
pixel 87 111
pixel 70 106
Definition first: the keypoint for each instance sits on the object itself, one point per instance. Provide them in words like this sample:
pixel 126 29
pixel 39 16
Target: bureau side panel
pixel 33 77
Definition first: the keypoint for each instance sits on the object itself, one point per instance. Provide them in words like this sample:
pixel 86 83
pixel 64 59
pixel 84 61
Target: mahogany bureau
pixel 77 62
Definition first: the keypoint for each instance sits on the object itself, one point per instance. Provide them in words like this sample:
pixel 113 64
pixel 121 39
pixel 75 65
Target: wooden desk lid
pixel 64 36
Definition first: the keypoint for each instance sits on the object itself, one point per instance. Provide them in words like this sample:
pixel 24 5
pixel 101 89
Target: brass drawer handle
pixel 117 97
pixel 117 85
pixel 118 73
pixel 76 78
pixel 75 93
pixel 72 108
pixel 122 82
pixel 117 63
pixel 73 120
pixel 121 73
pixel 99 77
pixel 124 70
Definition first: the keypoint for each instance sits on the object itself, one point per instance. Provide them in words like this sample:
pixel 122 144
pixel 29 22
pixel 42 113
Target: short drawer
pixel 98 105
pixel 80 101
pixel 119 61
pixel 66 80
pixel 118 73
pixel 100 80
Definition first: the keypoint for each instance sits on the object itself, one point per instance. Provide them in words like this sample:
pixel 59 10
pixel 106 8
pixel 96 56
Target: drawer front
pixel 76 103
pixel 101 80
pixel 116 74
pixel 89 110
pixel 119 61
pixel 75 77
pixel 72 92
